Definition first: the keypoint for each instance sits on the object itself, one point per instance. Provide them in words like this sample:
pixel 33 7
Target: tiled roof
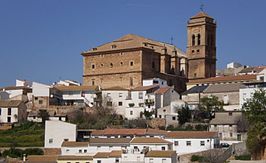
pixel 145 88
pixel 10 103
pixel 74 157
pixel 115 88
pixel 201 14
pixel 15 88
pixel 110 131
pixel 149 140
pixel 76 88
pixel 217 88
pixel 116 153
pixel 101 155
pixel 134 41
pixel 151 131
pixel 74 144
pixel 257 69
pixel 109 141
pixel 161 154
pixel 195 89
pixel 42 159
pixel 191 134
pixel 223 118
pixel 162 90
pixel 224 79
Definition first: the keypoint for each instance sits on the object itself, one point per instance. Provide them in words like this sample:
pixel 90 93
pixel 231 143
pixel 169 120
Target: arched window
pixel 193 40
pixel 198 39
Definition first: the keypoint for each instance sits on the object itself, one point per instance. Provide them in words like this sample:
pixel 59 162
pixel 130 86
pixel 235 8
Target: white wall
pixel 4 115
pixel 39 89
pixel 133 113
pixel 148 82
pixel 159 160
pixel 116 96
pixel 133 157
pixel 57 131
pixel 246 93
pixel 153 146
pixel 182 147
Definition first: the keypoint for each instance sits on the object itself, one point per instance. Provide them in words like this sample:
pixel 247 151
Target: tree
pixel 184 115
pixel 255 111
pixel 44 115
pixel 208 105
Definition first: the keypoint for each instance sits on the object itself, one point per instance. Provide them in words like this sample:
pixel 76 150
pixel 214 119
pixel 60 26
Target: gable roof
pixel 196 89
pixel 155 153
pixel 109 141
pixel 115 88
pixel 135 41
pixel 115 153
pixel 217 88
pixel 162 90
pixel 191 134
pixel 147 88
pixel 10 103
pixel 149 140
pixel 74 144
pixel 74 157
pixel 221 79
pixel 42 159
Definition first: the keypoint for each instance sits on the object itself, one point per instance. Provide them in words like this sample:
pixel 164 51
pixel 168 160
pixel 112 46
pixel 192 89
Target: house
pixel 69 148
pixel 34 116
pixel 78 95
pixel 41 159
pixel 56 132
pixel 248 89
pixel 108 157
pixel 74 159
pixel 230 125
pixel 16 93
pixel 192 141
pixel 141 144
pixel 193 95
pixel 156 156
pixel 12 111
pixel 154 81
pixel 115 98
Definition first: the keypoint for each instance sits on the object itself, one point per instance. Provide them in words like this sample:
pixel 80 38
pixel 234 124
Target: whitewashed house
pixel 115 97
pixel 56 132
pixel 33 116
pixel 154 81
pixel 156 156
pixel 108 157
pixel 78 95
pixel 192 141
pixel 12 111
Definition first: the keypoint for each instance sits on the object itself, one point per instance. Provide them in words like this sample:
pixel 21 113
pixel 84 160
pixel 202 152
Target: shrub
pixel 33 151
pixel 243 157
pixel 196 158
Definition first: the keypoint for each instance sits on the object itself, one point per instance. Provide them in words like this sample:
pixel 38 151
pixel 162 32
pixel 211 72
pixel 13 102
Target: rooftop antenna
pixel 201 7
pixel 172 39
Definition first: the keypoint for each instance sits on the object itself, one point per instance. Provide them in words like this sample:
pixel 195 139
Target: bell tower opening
pixel 201 46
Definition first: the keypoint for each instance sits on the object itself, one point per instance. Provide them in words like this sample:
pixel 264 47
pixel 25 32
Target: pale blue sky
pixel 41 40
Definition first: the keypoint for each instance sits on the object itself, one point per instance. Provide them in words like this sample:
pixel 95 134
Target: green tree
pixel 44 115
pixel 208 105
pixel 255 111
pixel 184 115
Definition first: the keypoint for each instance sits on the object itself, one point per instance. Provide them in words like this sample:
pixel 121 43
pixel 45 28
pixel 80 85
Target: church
pixel 127 61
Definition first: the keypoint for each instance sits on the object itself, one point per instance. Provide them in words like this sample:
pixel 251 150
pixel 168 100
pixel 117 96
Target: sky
pixel 41 40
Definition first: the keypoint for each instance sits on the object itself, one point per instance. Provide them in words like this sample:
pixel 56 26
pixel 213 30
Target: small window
pixel 121 63
pixel 113 46
pixel 36 98
pixel 140 95
pixel 230 125
pixel 120 103
pixel 85 150
pixel 80 151
pixel 50 141
pixel 131 63
pixel 120 95
pixel 163 148
pixel 173 118
pixel 117 160
pixel 160 116
pixel 193 40
pixel 198 39
pixel 111 65
pixel 65 139
pixel 193 51
pixel 202 143
pixel 40 102
pixel 98 147
pixel 231 134
pixel 195 74
pixel 92 82
pixel 131 112
pixel 188 143
pixel 99 161
pixel 93 66
pixel 230 113
pixel 198 50
pixel 109 103
pixel 176 143
pixel 9 111
pixel 101 64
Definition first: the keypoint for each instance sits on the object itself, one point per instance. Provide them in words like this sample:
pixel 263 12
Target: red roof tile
pixel 191 134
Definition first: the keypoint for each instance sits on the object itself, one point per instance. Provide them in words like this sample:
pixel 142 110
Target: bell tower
pixel 201 46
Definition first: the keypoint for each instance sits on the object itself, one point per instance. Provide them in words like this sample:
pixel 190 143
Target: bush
pixel 196 158
pixel 18 153
pixel 33 151
pixel 200 127
pixel 243 157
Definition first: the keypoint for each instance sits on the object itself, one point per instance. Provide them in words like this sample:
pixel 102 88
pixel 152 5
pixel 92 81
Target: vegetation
pixel 196 158
pixel 243 157
pixel 255 111
pixel 44 115
pixel 207 106
pixel 28 134
pixel 184 115
pixel 16 153
pixel 198 127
